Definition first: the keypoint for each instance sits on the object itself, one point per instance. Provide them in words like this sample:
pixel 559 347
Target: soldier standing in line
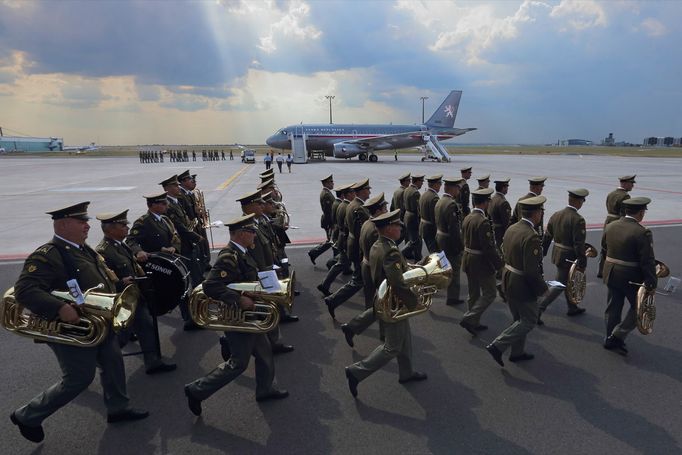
pixel 480 262
pixel 413 249
pixel 483 182
pixel 465 194
pixel 536 185
pixel 449 235
pixel 342 264
pixel 387 263
pixel 64 258
pixel 236 265
pixel 397 202
pixel 499 211
pixel 567 228
pixel 368 235
pixel 326 220
pixel 356 214
pixel 522 281
pixel 119 258
pixel 630 259
pixel 427 205
pixel 615 209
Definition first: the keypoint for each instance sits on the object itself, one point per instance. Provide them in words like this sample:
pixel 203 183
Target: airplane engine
pixel 347 150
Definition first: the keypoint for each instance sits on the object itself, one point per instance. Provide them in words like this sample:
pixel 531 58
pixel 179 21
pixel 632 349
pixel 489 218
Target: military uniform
pixel 449 240
pixel 326 220
pixel 464 193
pixel 151 232
pixel 480 262
pixel 387 263
pixel 398 202
pixel 413 249
pixel 567 228
pixel 499 212
pixel 342 263
pixel 235 265
pixel 516 215
pixel 614 211
pixel 427 223
pixel 47 269
pixel 630 257
pixel 522 282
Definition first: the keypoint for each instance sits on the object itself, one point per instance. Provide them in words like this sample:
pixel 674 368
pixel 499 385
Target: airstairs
pixel 298 147
pixel 437 149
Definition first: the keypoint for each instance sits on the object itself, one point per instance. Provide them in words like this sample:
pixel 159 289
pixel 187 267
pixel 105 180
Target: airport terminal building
pixel 31 144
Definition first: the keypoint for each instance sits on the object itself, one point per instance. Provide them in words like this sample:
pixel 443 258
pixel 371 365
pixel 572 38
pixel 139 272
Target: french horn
pixel 99 310
pixel 424 280
pixel 577 282
pixel 216 315
pixel 646 302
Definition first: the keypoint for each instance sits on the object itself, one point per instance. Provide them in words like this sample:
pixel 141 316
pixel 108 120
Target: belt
pixel 623 263
pixel 498 225
pixel 612 215
pixel 350 234
pixel 470 251
pixel 426 221
pixel 410 211
pixel 562 246
pixel 447 234
pixel 514 270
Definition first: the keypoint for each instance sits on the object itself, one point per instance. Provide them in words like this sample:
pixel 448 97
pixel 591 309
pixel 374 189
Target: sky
pixel 221 72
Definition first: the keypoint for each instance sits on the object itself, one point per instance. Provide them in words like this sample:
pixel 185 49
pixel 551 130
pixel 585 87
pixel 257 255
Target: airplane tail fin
pixel 444 117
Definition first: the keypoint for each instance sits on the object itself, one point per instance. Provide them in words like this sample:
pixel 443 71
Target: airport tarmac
pixel 574 397
pixel 33 186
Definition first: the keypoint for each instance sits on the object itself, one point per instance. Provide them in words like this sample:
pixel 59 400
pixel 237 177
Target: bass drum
pixel 169 282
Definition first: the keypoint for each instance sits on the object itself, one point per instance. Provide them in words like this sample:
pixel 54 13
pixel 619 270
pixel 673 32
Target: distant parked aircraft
pixel 82 148
pixel 362 140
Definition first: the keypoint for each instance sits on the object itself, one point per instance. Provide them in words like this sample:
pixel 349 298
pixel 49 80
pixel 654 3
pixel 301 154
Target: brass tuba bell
pixel 646 302
pixel 216 315
pixel 424 280
pixel 577 282
pixel 99 310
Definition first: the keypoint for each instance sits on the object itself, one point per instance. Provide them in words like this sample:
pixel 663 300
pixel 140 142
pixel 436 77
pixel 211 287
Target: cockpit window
pixel 284 132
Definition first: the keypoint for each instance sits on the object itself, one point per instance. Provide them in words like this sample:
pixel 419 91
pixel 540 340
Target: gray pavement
pixel 575 397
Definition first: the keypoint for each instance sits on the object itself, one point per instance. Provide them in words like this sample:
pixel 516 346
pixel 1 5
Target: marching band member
pixel 326 221
pixel 615 209
pixel 413 249
pixel 427 205
pixel 449 235
pixel 397 202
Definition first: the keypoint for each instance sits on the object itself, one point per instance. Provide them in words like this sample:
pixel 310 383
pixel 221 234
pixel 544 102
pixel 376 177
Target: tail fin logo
pixel 449 111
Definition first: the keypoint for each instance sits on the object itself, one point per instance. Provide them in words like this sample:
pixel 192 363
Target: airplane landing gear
pixel 362 156
pixel 373 158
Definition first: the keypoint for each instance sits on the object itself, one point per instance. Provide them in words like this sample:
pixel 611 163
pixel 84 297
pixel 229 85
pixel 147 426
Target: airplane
pixel 362 140
pixel 82 148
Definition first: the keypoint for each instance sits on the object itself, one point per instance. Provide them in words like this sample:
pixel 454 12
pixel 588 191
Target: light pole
pixel 423 98
pixel 330 98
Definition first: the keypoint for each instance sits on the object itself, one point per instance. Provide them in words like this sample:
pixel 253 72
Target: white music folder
pixel 269 282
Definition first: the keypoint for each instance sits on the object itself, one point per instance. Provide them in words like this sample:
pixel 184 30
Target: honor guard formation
pixel 86 303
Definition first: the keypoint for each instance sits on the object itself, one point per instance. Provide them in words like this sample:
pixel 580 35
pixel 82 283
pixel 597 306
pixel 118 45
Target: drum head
pixel 170 283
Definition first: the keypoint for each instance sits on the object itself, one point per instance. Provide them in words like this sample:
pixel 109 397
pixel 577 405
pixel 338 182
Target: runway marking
pixel 227 182
pixel 89 189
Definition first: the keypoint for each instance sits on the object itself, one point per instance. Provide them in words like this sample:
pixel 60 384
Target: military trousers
pixel 341 264
pixel 482 292
pixel 367 317
pixel 398 344
pixel 525 314
pixel 413 249
pixel 78 365
pixel 322 247
pixel 615 324
pixel 143 327
pixel 349 289
pixel 562 277
pixel 242 347
pixel 427 231
pixel 455 282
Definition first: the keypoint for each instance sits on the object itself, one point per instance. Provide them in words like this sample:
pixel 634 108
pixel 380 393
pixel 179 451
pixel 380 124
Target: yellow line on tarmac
pixel 227 182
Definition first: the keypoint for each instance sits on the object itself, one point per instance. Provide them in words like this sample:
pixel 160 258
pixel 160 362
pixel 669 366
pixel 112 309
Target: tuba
pixel 424 280
pixel 646 302
pixel 577 282
pixel 97 312
pixel 216 315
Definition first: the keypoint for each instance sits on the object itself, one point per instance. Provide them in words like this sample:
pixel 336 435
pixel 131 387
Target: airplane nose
pixel 269 141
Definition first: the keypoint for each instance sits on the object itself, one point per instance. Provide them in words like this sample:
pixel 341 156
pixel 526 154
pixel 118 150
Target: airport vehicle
pixel 248 156
pixel 362 140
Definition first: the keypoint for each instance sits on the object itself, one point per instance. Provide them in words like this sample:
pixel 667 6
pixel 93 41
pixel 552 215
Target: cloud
pixel 653 27
pixel 581 14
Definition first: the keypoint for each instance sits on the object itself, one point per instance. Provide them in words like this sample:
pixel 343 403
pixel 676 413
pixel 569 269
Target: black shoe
pixel 540 322
pixel 497 355
pixel 330 264
pixel 225 348
pixel 162 368
pixel 469 328
pixel 273 395
pixel 193 403
pixel 453 302
pixel 288 318
pixel 352 383
pixel 416 376
pixel 33 434
pixel 348 333
pixel 281 348
pixel 190 326
pixel 312 257
pixel 599 275
pixel 521 357
pixel 330 308
pixel 575 311
pixel 481 328
pixel 128 415
pixel 614 343
pixel 324 290
pixel 297 292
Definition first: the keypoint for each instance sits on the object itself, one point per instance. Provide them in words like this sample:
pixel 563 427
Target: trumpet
pixel 98 311
pixel 646 301
pixel 203 215
pixel 577 282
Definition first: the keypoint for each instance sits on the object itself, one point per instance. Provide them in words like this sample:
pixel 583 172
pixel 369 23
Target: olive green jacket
pixel 397 201
pixel 342 238
pixel 567 228
pixel 326 203
pixel 482 257
pixel 387 263
pixel 614 205
pixel 523 252
pixel 449 225
pixel 368 235
pixel 356 214
pixel 231 266
pixel 516 215
pixel 499 212
pixel 627 240
pixel 151 235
